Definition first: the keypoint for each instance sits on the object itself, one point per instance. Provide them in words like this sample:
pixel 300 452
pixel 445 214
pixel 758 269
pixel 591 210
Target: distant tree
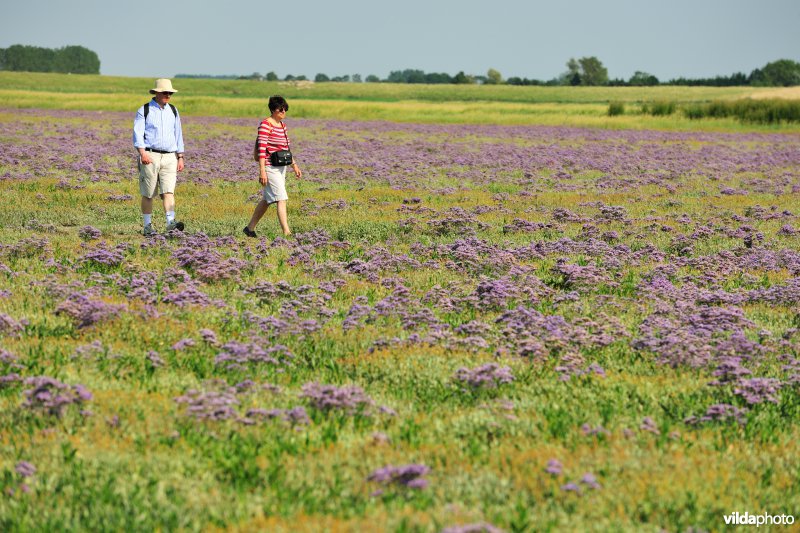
pixel 592 71
pixel 640 79
pixel 463 79
pixel 406 76
pixel 356 78
pixel 28 58
pixel 734 80
pixel 301 77
pixel 584 71
pixel 76 60
pixel 438 77
pixel 289 77
pixel 493 77
pixel 271 76
pixel 321 77
pixel 345 78
pixel 515 80
pixel 780 73
pixel 372 78
pixel 573 74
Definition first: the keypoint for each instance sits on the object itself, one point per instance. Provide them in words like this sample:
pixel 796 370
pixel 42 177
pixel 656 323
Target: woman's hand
pixel 297 171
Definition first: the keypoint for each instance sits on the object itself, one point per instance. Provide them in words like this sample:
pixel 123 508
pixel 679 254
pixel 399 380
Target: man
pixel 158 137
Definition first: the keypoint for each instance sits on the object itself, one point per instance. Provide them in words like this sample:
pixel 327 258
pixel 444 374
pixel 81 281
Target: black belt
pixel 158 151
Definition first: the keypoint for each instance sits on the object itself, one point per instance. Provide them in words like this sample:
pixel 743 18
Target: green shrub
pixel 659 108
pixel 616 108
pixel 748 110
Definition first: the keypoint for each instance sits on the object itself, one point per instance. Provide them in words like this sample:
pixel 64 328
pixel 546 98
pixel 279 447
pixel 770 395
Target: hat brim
pixel 153 91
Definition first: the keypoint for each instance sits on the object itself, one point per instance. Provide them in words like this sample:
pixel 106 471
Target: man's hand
pixel 144 157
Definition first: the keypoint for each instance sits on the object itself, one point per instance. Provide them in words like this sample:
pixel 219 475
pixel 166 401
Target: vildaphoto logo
pixel 747 519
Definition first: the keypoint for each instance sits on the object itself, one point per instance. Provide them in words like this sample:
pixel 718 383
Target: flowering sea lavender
pixel 210 405
pixel 409 476
pixel 25 469
pixel 720 412
pixel 209 336
pixel 187 294
pixel 104 255
pixel 182 344
pixel 8 367
pixel 590 480
pixel 89 233
pixel 487 376
pixel 85 311
pixel 554 467
pixel 571 487
pixel 155 359
pixel 237 355
pixel 758 390
pixel 48 395
pixel 649 425
pixel 9 326
pixel 350 398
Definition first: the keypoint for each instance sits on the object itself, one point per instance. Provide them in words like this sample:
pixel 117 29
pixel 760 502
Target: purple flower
pixel 183 344
pixel 554 467
pixel 758 390
pixel 85 311
pixel 720 413
pixel 590 480
pixel 89 233
pixel 211 405
pixel 648 424
pixel 25 469
pixel 488 376
pixel 50 396
pixel 410 476
pixel 350 399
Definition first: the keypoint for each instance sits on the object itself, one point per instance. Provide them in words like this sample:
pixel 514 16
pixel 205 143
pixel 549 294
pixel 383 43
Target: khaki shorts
pixel 161 174
pixel 275 191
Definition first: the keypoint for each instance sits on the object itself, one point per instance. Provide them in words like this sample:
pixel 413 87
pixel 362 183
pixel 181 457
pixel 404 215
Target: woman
pixel 271 138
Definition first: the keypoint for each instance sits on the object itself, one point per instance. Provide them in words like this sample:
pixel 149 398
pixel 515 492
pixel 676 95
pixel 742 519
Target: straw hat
pixel 163 85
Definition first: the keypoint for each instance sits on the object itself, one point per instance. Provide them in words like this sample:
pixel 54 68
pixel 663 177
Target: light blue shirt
pixel 161 131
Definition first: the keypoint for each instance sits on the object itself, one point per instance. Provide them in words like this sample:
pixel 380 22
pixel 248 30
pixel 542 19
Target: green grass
pixel 455 104
pixel 140 463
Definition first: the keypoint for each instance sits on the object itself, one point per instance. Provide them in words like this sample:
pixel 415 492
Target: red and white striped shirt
pixel 271 139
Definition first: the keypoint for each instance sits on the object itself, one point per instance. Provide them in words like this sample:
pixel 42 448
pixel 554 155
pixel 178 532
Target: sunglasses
pixel 166 94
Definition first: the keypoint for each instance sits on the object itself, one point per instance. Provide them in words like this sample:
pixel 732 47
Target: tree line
pixel 586 71
pixel 68 59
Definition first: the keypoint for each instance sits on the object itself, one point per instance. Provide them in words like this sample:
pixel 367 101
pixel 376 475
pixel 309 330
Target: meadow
pixel 475 327
pixel 409 103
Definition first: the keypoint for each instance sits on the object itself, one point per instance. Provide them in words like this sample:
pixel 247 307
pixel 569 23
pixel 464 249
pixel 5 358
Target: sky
pixel 529 39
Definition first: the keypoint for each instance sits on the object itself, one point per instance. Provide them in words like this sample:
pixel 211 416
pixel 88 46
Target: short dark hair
pixel 277 102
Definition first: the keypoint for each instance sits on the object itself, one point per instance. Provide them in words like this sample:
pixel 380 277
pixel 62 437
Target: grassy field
pixel 597 330
pixel 434 104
